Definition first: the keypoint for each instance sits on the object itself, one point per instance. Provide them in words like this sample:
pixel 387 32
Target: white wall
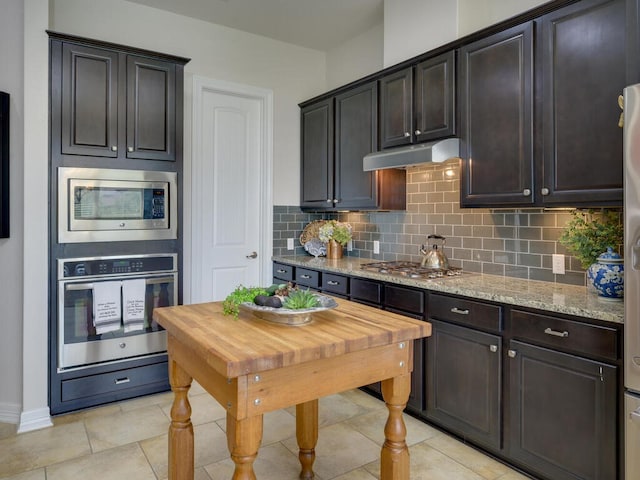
pixel 412 27
pixel 357 58
pixel 474 15
pixel 11 80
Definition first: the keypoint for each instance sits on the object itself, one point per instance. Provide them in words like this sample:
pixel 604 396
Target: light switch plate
pixel 557 263
pixel 289 243
pixel 376 246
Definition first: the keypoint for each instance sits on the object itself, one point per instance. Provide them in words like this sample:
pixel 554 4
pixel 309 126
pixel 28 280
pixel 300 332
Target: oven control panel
pixel 105 266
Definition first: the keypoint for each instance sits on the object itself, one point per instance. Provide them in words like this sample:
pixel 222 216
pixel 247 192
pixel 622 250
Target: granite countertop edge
pixel 552 297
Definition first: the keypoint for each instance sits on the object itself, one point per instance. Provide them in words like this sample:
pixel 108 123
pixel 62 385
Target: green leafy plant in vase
pixel 594 238
pixel 336 235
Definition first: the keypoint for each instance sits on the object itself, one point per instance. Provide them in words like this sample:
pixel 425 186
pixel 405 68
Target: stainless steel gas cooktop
pixel 410 270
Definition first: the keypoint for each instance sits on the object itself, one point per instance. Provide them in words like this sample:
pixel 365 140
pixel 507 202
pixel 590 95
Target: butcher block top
pixel 235 347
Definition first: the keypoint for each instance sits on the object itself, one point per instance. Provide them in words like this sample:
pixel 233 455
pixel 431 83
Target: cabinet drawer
pixel 113 382
pixel 335 283
pixel 465 312
pixel 307 278
pixel 366 291
pixel 283 272
pixel 405 299
pixel 570 335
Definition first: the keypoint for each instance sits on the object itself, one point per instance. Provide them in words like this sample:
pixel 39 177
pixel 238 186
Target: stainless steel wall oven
pixel 118 325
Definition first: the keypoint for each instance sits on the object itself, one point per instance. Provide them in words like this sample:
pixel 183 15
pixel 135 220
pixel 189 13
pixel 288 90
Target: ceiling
pixel 317 24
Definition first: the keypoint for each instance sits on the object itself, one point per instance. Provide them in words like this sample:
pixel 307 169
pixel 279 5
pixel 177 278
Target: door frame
pixel 265 97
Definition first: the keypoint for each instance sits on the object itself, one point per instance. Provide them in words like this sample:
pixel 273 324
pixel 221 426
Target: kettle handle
pixel 437 237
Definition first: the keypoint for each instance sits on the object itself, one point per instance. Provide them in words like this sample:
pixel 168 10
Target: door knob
pixel 253 255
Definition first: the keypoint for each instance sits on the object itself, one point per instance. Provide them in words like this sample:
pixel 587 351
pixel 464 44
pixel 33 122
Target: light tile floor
pixel 128 440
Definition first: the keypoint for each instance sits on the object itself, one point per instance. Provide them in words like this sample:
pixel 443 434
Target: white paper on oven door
pixel 133 293
pixel 107 310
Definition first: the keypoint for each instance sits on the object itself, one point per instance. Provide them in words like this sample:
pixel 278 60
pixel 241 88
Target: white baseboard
pixel 35 420
pixel 10 412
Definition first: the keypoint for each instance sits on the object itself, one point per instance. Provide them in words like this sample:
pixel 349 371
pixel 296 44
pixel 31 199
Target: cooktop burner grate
pixel 410 270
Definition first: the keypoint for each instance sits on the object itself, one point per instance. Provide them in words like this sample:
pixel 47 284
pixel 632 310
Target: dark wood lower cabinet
pixel 562 414
pixel 463 371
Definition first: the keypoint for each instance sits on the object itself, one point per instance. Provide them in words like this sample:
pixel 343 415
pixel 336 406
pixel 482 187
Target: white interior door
pixel 231 228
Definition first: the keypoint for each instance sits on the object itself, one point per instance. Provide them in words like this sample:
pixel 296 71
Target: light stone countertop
pixel 552 297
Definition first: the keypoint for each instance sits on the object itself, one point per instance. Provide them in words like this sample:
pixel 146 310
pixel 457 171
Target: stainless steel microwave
pixel 107 205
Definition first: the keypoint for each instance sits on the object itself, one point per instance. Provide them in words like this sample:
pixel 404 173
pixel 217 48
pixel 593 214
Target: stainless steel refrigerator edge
pixel 632 280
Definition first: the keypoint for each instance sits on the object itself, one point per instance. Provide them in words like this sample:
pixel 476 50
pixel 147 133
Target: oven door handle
pixel 89 286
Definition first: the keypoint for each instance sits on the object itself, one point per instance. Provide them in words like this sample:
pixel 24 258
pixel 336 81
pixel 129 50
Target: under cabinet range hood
pixel 412 155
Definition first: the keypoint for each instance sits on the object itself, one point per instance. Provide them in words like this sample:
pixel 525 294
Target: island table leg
pixel 394 457
pixel 181 428
pixel 307 436
pixel 243 439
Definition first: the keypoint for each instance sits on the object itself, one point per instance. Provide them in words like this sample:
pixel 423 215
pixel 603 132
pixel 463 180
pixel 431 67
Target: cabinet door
pixel 562 413
pixel 583 52
pixel 434 98
pixel 496 119
pixel 151 104
pixel 463 382
pixel 89 101
pixel 356 135
pixel 396 113
pixel 317 155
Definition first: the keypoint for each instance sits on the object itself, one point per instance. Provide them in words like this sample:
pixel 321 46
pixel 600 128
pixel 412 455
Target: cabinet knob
pixel 129 149
pixel 329 200
pixel 512 353
pixel 544 191
pixel 114 148
pixel 407 134
pixel 493 348
pixel 418 132
pixel 335 200
pixel 526 192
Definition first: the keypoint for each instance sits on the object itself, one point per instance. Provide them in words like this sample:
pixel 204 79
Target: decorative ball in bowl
pixel 288 316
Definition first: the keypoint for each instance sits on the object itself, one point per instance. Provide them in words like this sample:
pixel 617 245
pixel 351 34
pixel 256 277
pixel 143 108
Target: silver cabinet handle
pixel 253 255
pixel 305 276
pixel 526 192
pixel 556 333
pixel 120 381
pixel 281 270
pixel 460 311
pixel 129 149
pixel 418 132
pixel 114 148
pixel 493 348
pixel 544 191
pixel 332 282
pixel 512 353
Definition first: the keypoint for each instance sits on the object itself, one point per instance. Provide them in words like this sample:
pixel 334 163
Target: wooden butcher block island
pixel 252 366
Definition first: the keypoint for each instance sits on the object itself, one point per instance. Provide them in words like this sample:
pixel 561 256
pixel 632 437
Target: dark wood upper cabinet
pixel 417 104
pixel 356 134
pixel 396 109
pixel 115 103
pixel 336 135
pixel 583 71
pixel 496 119
pixel 434 98
pixel 151 116
pixel 568 105
pixel 89 101
pixel 317 155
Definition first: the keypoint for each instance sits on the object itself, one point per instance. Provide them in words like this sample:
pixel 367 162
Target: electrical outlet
pixel 289 243
pixel 376 246
pixel 350 246
pixel 557 262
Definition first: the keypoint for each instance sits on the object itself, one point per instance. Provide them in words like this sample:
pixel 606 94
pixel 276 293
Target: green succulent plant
pixel 588 234
pixel 300 299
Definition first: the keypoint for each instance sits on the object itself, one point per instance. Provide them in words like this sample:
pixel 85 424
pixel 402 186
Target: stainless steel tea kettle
pixel 434 258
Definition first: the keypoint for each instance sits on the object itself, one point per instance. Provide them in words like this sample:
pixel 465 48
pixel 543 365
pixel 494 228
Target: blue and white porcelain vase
pixel 607 275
